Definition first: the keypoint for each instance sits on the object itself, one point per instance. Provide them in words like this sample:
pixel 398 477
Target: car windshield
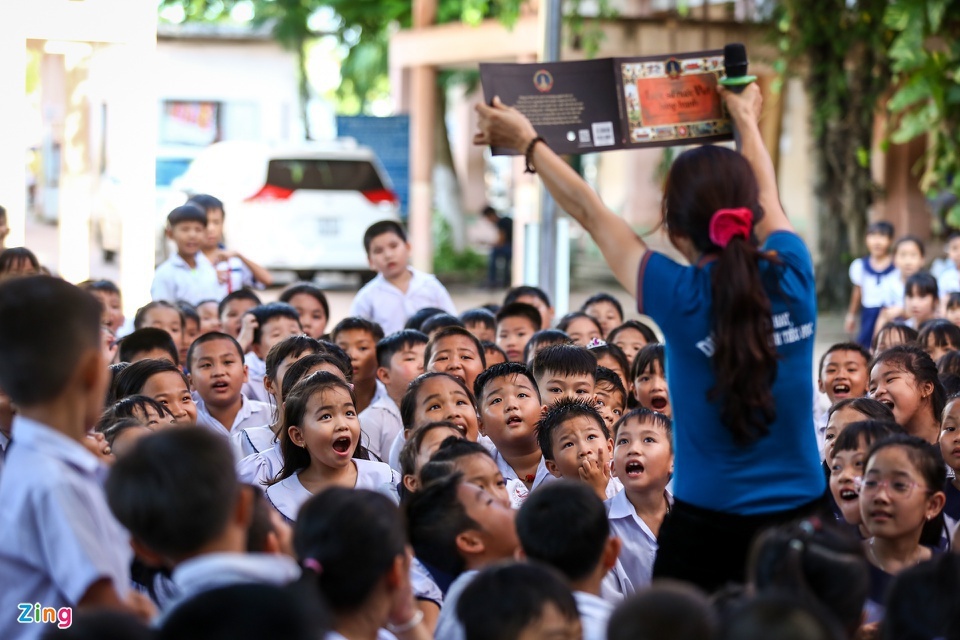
pixel 342 175
pixel 169 169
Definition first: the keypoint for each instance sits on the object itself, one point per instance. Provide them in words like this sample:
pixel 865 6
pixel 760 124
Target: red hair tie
pixel 727 224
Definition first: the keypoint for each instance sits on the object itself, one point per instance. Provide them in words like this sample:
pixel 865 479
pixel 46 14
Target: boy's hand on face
pixel 248 324
pixel 595 474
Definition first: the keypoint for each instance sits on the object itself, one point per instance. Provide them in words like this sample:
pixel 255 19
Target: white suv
pixel 301 207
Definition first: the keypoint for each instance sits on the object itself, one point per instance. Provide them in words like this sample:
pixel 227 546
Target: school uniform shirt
pixel 871 283
pixel 252 440
pixel 951 509
pixel 289 495
pixel 780 471
pixel 948 282
pixel 821 427
pixel 423 584
pixel 448 624
pixel 388 306
pixel 614 486
pixel 175 280
pixel 893 292
pixel 382 634
pixel 380 424
pixel 261 468
pixel 4 445
pixel 57 534
pixel 215 570
pixel 251 414
pixel 634 566
pixel 253 388
pixel 594 615
pixel 516 489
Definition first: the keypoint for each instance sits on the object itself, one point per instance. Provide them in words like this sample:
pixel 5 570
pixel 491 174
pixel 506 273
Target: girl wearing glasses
pixel 900 494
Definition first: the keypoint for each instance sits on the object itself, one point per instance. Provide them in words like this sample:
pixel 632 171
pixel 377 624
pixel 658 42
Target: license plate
pixel 328 227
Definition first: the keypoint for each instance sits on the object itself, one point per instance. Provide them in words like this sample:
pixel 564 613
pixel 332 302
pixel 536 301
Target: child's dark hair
pixel 867 432
pixel 778 615
pixel 210 337
pixel 503 600
pixel 908 335
pixel 186 213
pixel 668 609
pixel 526 291
pixel 295 408
pixel 298 370
pixel 870 408
pixel 489 347
pixel 844 346
pixel 953 300
pixel 131 380
pixel 905 239
pixel 175 489
pixel 813 561
pixel 611 377
pixel 564 360
pixel 648 334
pixel 189 312
pixel 440 321
pixel 141 315
pixel 542 339
pixel 114 370
pixel 416 321
pixel 336 527
pixel 446 332
pixel 15 257
pixel 949 363
pixel 603 297
pixel 207 203
pixel 520 310
pixel 558 414
pixel 398 341
pixel 920 365
pixel 564 525
pixel 100 286
pixel 643 415
pixel 264 313
pixel 503 370
pixel 239 294
pixel 145 340
pixel 945 334
pixel 435 517
pixel 306 288
pixel 880 227
pixel 408 404
pixel 129 407
pixel 113 429
pixel 411 448
pixel 650 357
pixel 443 462
pixel 378 229
pixel 566 320
pixel 702 181
pixel 289 346
pixel 924 456
pixel 358 324
pixel 479 316
pixel 921 284
pixel 924 601
pixel 609 349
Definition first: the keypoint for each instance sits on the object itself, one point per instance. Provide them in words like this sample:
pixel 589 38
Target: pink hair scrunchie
pixel 727 224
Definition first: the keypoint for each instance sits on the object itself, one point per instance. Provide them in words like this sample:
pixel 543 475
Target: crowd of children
pixel 228 468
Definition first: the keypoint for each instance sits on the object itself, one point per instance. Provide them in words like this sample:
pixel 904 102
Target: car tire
pixel 306 275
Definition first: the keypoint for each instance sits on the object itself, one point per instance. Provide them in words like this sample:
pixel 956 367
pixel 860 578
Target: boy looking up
pixel 232 310
pixel 516 324
pixel 565 527
pixel 843 373
pixel 398 291
pixel 188 275
pixel 536 298
pixel 216 371
pixel 359 338
pixel 576 445
pixel 565 370
pixel 643 462
pixel 178 495
pixel 271 324
pixel 509 405
pixel 611 395
pixel 399 361
pixel 59 544
pixel 148 343
pixel 481 323
pixel 456 351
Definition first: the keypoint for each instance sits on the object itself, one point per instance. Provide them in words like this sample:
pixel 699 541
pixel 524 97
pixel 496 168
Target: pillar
pixel 13 114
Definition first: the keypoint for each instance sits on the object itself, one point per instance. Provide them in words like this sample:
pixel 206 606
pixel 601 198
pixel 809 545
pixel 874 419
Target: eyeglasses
pixel 899 488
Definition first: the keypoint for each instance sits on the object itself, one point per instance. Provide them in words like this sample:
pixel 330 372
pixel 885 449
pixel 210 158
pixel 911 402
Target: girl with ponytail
pixel 739 325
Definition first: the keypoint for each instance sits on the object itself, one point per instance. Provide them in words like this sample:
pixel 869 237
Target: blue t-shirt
pixel 780 471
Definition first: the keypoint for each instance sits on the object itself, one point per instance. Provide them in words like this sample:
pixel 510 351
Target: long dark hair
pixel 702 181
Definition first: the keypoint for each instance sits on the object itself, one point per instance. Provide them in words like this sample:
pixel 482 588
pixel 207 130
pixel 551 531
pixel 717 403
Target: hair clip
pixel 313 564
pixel 596 342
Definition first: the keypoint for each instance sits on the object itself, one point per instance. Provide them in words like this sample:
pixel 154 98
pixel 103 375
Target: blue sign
pixel 389 138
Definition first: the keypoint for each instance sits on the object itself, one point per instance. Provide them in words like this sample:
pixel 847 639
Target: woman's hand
pixel 744 107
pixel 503 126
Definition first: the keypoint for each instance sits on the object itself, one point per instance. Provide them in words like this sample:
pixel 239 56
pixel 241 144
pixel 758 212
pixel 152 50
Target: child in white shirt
pixel 187 275
pixel 274 322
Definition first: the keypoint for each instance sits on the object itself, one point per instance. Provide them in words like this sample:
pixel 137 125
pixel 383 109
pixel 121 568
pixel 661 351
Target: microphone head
pixel 735 60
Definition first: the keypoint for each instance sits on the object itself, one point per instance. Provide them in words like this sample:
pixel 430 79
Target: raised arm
pixel 744 109
pixel 622 248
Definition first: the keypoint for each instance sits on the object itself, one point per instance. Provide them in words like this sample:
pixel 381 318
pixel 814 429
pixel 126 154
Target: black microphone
pixel 735 67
